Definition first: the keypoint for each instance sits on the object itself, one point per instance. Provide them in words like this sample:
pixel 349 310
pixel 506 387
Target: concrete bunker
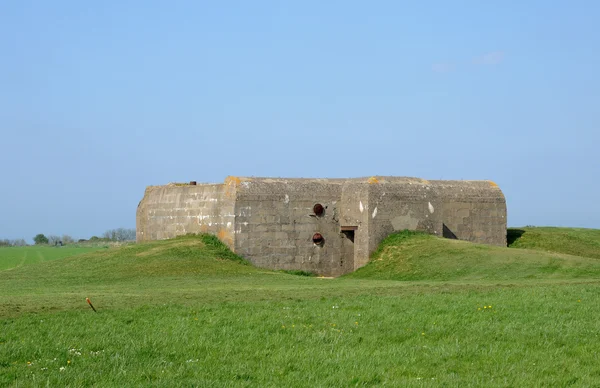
pixel 326 226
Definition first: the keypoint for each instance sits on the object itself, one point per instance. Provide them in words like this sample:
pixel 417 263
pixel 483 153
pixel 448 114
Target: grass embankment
pixel 418 256
pixel 11 257
pixel 573 241
pixel 188 312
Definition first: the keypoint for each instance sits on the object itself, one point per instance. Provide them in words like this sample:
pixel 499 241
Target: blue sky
pixel 100 99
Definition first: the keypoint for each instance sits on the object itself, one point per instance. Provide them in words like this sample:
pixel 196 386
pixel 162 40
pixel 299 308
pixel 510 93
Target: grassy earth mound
pixel 573 241
pixel 414 256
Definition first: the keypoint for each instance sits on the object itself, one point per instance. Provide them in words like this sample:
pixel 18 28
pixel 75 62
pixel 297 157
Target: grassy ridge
pixel 156 272
pixel 417 256
pixel 12 257
pixel 573 241
pixel 183 256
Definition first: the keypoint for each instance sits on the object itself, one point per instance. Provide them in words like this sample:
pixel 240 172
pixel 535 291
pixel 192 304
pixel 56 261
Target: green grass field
pixel 187 312
pixel 12 257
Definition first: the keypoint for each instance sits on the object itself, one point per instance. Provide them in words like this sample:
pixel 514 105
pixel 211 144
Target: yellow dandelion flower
pixel 485 307
pixel 479 308
pixel 489 307
pixel 422 333
pixel 68 361
pixel 356 323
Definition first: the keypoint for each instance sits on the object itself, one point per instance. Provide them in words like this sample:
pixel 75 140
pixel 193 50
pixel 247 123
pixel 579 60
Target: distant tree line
pixel 13 243
pixel 41 239
pixel 118 235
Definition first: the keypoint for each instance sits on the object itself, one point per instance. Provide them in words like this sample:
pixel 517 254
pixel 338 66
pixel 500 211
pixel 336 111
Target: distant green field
pixel 188 312
pixel 11 257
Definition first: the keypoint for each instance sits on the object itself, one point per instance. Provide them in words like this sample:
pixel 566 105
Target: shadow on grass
pixel 512 235
pixel 298 272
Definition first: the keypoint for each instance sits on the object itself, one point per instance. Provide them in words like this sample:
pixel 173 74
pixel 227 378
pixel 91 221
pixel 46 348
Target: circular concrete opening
pixel 318 239
pixel 319 210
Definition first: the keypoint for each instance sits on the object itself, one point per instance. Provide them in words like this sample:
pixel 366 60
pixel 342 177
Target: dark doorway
pixel 348 231
pixel 347 254
pixel 447 233
pixel 349 234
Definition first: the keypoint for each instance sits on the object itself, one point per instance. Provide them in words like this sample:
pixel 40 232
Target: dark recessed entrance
pixel 349 234
pixel 447 233
pixel 348 231
pixel 347 253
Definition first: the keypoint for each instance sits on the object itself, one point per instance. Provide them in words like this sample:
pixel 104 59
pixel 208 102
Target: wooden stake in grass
pixel 90 303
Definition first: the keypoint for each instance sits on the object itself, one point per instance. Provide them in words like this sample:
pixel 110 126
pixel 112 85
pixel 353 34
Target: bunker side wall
pixel 467 210
pixel 395 207
pixel 275 224
pixel 173 210
pixel 475 211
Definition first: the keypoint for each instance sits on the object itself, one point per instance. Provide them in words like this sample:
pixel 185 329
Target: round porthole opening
pixel 318 239
pixel 319 210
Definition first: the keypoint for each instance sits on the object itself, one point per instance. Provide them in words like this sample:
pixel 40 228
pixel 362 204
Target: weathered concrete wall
pixel 467 210
pixel 275 225
pixel 272 222
pixel 474 211
pixel 173 210
pixel 402 203
pixel 354 212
